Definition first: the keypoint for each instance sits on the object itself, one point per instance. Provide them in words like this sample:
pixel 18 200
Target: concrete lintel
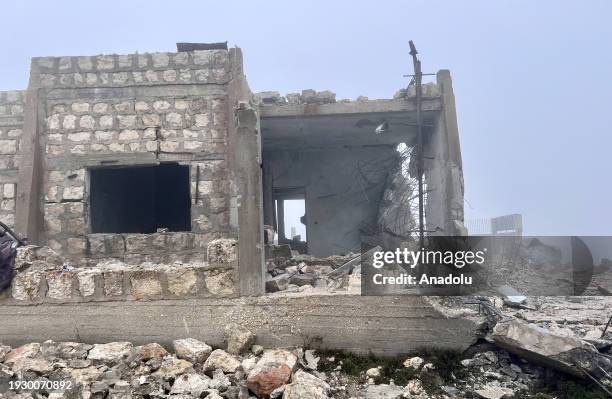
pixel 353 107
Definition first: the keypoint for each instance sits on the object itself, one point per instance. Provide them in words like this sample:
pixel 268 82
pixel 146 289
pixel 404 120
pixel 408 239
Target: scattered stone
pixel 152 351
pixel 494 392
pixel 171 367
pixel 373 372
pixel 238 338
pixel 220 359
pixel 110 353
pixel 271 371
pixel 414 362
pixel 311 361
pixel 257 349
pixel 24 351
pixel 193 384
pixel 382 391
pixel 191 349
pixel 306 386
pixel 278 283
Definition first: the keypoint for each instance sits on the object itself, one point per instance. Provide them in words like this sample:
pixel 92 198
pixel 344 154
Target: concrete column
pixel 28 213
pixel 444 167
pixel 268 194
pixel 244 158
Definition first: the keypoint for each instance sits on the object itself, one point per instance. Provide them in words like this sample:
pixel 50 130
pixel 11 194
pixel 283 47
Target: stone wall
pixel 44 276
pixel 137 109
pixel 11 123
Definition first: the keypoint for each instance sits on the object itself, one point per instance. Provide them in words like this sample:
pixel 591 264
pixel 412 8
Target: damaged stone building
pixel 150 157
pixel 152 190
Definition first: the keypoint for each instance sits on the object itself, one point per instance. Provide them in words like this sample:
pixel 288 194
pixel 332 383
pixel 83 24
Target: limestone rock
pixel 191 349
pixel 220 359
pixel 37 365
pixel 374 372
pixel 193 384
pixel 4 350
pixel 238 338
pixel 171 367
pixel 65 350
pixel 494 392
pixel 414 362
pixel 273 370
pixel 152 351
pixel 111 352
pixel 383 391
pixel 24 351
pixel 306 386
pixel 222 250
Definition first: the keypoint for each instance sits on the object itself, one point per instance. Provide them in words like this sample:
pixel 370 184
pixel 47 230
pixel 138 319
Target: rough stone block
pixel 8 147
pixel 113 282
pixel 136 242
pixel 145 284
pixel 73 193
pixel 60 284
pixel 87 282
pixel 222 250
pixel 220 282
pixel 26 286
pixel 182 282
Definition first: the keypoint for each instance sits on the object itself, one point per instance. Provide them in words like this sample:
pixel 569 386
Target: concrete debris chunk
pixel 191 349
pixel 564 353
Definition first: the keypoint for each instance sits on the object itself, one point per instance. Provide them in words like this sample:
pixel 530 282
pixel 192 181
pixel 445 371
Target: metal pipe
pixel 418 81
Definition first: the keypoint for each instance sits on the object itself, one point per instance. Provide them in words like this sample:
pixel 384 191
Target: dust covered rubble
pixel 291 272
pixel 190 368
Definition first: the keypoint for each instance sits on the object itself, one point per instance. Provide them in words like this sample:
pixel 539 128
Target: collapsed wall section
pixel 11 129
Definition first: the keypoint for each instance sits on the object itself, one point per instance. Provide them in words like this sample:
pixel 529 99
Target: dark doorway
pixel 140 199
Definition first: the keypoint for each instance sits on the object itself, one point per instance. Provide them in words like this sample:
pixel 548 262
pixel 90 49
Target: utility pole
pixel 418 81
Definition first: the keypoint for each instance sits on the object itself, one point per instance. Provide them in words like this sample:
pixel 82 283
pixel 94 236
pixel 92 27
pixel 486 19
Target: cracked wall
pixel 141 109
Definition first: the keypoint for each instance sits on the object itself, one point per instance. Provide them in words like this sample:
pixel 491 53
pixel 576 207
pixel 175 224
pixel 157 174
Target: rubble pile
pixel 245 370
pixel 289 271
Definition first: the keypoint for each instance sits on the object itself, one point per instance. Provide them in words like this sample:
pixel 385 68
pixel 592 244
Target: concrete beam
pixel 382 325
pixel 352 107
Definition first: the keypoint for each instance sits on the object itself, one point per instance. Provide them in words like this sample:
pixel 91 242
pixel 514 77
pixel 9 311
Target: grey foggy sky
pixel 532 78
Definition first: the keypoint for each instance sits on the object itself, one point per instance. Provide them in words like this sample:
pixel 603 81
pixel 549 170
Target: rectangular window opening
pixel 140 199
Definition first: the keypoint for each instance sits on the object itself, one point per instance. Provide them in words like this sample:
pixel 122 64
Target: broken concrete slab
pixel 564 353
